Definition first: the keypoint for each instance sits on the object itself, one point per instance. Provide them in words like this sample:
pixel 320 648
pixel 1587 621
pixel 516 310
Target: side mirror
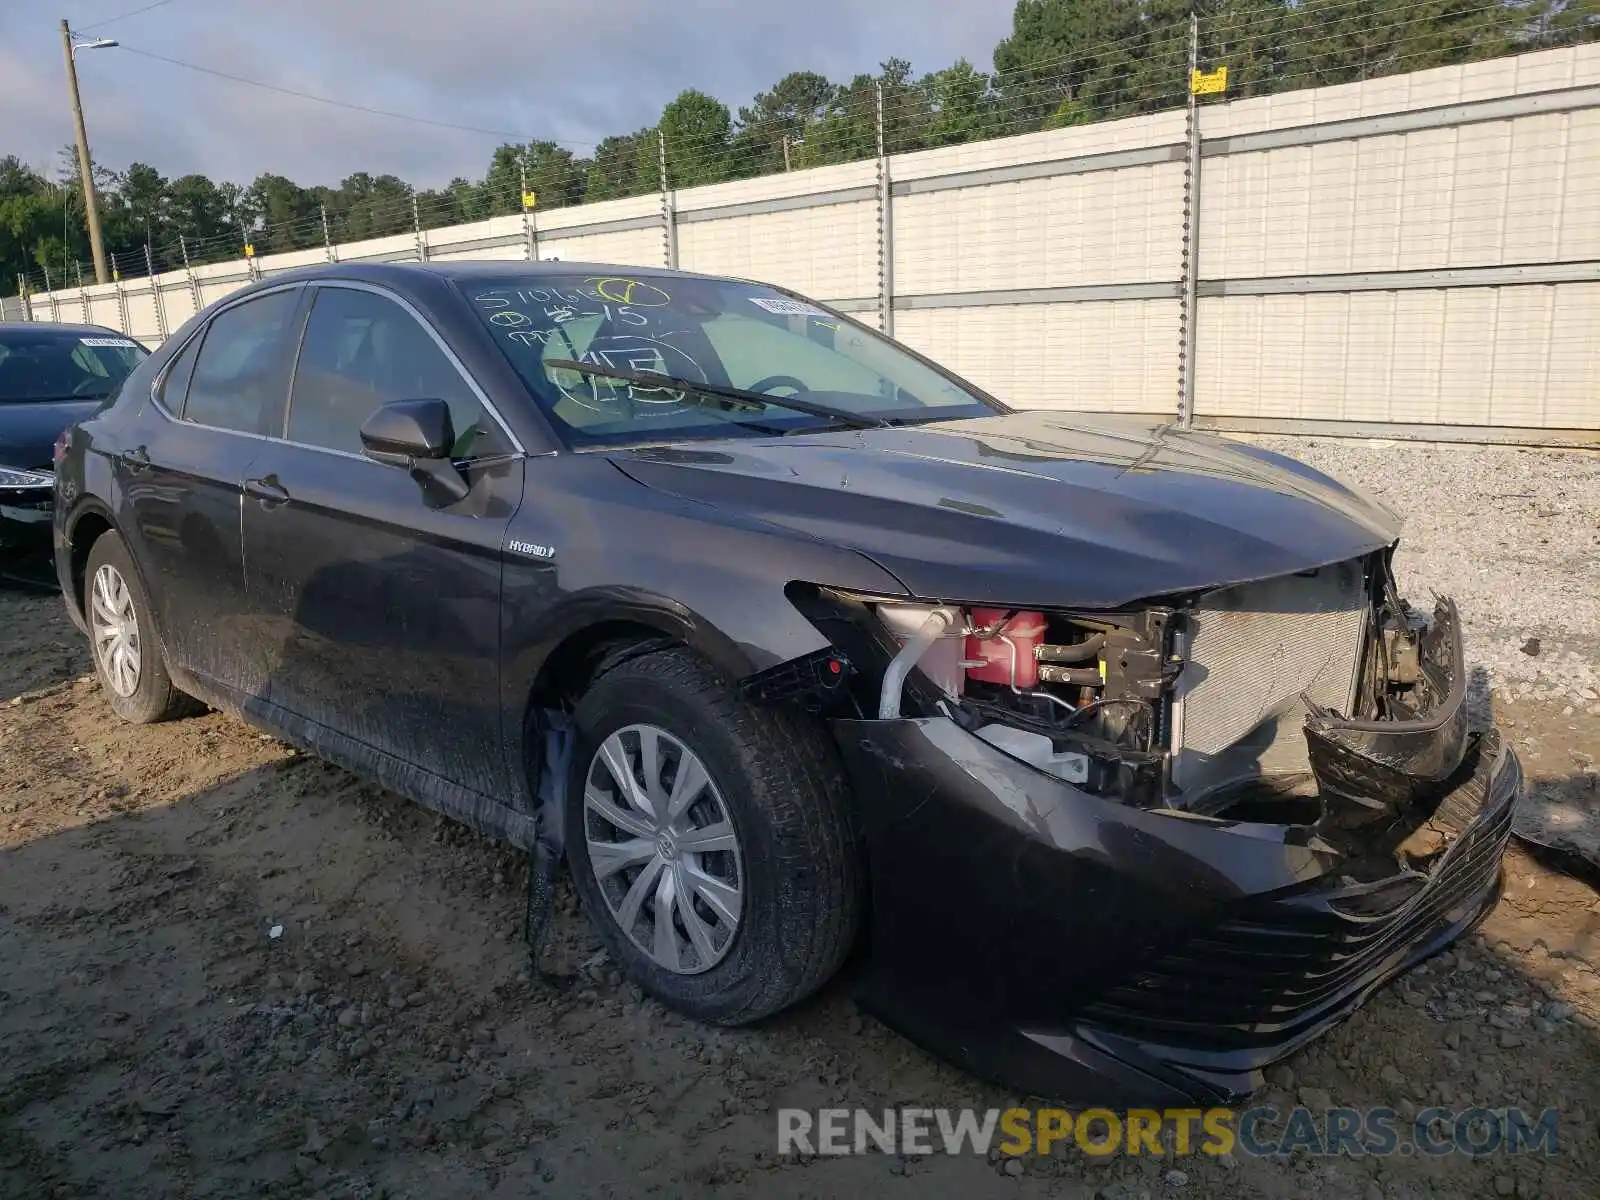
pixel 408 429
pixel 417 435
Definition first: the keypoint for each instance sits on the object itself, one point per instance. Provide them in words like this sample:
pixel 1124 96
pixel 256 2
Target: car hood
pixel 28 431
pixel 1035 509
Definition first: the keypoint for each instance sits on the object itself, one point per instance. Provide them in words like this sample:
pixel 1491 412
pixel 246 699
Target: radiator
pixel 1250 652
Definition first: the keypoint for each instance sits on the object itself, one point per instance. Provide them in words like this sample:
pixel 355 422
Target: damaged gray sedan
pixel 1111 747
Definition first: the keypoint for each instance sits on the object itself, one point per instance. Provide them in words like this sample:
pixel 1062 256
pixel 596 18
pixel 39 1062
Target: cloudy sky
pixel 571 71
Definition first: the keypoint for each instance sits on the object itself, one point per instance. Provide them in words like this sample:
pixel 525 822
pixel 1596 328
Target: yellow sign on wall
pixel 249 250
pixel 528 199
pixel 1208 83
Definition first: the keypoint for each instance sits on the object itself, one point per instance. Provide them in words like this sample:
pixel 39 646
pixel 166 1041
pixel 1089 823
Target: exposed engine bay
pixel 1296 700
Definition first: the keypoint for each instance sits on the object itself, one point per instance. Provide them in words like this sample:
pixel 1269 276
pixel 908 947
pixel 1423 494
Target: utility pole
pixel 91 210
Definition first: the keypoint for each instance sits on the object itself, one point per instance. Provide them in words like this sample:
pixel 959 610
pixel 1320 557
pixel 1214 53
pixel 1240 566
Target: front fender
pixel 617 552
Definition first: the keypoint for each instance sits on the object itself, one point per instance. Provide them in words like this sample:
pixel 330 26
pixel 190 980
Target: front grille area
pixel 1275 967
pixel 1250 654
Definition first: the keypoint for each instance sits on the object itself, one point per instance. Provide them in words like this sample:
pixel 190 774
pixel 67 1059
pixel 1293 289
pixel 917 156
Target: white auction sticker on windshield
pixel 787 308
pixel 99 341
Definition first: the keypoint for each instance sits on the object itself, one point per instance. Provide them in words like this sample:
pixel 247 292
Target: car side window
pixel 361 351
pixel 175 387
pixel 243 367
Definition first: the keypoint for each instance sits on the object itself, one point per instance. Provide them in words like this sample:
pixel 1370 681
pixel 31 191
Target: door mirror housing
pixel 417 435
pixel 409 429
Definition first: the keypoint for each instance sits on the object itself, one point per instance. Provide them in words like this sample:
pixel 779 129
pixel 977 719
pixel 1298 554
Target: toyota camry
pixel 1111 747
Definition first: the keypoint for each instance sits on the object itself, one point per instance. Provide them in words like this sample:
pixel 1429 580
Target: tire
pixel 112 586
pixel 796 858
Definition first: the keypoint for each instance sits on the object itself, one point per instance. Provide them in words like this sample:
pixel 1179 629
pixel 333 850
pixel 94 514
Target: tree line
pixel 1064 62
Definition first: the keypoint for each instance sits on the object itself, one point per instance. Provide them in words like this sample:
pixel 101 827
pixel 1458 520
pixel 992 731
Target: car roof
pixel 55 327
pixel 399 272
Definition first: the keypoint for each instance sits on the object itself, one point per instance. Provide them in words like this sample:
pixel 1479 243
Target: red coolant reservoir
pixel 1022 633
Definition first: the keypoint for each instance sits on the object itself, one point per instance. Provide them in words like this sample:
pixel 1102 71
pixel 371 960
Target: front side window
pixel 718 332
pixel 38 366
pixel 243 368
pixel 361 351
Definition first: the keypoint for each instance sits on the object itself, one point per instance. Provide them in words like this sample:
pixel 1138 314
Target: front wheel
pixel 711 840
pixel 128 658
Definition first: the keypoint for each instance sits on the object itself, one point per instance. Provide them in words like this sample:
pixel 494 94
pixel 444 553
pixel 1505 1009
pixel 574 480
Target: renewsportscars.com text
pixel 1258 1132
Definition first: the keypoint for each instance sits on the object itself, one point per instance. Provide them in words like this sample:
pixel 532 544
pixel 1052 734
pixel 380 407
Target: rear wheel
pixel 711 840
pixel 128 658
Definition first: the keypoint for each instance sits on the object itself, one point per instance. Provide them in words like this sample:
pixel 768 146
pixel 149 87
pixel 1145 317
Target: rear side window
pixel 363 350
pixel 175 387
pixel 242 371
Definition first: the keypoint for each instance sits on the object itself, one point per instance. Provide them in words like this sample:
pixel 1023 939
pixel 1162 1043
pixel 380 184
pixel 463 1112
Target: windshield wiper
pixel 754 401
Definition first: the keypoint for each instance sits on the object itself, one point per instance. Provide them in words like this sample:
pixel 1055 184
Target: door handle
pixel 137 459
pixel 269 491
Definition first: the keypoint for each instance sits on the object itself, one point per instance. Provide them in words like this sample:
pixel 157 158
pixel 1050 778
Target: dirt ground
pixel 156 1038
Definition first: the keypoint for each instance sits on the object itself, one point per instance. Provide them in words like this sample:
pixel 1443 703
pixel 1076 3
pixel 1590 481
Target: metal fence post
pixel 122 297
pixel 885 230
pixel 194 284
pixel 327 239
pixel 669 219
pixel 50 291
pixel 530 235
pixel 83 295
pixel 156 297
pixel 1191 237
pixel 416 225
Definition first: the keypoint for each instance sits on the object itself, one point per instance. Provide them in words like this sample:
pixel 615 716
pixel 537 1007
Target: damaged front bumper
pixel 1074 947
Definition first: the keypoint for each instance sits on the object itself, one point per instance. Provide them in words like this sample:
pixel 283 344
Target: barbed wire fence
pixel 1143 73
pixel 1165 69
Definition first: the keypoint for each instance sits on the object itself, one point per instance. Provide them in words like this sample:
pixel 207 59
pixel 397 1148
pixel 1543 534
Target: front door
pixel 379 612
pixel 182 473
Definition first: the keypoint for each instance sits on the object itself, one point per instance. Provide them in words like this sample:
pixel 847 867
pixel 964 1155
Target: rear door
pixel 380 611
pixel 182 470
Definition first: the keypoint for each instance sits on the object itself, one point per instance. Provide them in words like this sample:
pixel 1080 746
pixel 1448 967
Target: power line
pixel 509 135
pixel 124 16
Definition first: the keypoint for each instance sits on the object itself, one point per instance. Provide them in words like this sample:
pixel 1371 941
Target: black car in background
pixel 51 376
pixel 1113 743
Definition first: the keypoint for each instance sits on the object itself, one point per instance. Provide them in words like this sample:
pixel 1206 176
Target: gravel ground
pixel 1512 534
pixel 158 1040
